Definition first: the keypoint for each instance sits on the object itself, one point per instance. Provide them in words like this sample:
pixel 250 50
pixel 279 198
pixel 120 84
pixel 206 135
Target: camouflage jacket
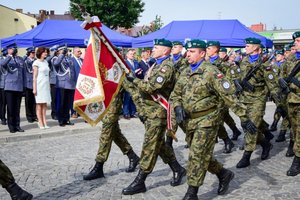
pixel 294 95
pixel 180 66
pixel 201 91
pixel 161 81
pixel 265 79
pixel 221 65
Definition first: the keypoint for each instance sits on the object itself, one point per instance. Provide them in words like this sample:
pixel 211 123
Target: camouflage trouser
pixel 6 177
pixel 255 112
pixel 201 157
pixel 154 145
pixel 294 116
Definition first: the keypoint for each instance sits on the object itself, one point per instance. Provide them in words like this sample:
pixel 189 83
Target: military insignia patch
pixel 159 79
pixel 232 71
pixel 220 76
pixel 226 85
pixel 163 70
pixel 270 76
pixel 274 70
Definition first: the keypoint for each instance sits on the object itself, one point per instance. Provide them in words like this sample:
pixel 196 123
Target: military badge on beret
pixel 159 79
pixel 226 85
pixel 270 76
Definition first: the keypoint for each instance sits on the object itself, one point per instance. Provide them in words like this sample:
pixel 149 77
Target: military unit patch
pixel 270 76
pixel 159 79
pixel 163 70
pixel 226 85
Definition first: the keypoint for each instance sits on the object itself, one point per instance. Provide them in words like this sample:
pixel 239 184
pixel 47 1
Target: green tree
pixel 155 25
pixel 112 13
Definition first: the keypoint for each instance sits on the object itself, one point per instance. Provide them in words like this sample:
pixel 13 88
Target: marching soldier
pixel 14 85
pixel 155 90
pixel 66 82
pixel 212 51
pixel 196 97
pixel 30 105
pixel 3 73
pixel 257 78
pixel 7 181
pixel 290 85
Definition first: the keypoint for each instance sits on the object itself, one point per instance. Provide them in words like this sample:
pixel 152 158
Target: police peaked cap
pixel 61 46
pixel 30 49
pixel 13 45
pixel 163 42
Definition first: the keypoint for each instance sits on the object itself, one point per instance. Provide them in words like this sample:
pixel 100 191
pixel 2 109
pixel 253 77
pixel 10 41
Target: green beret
pixel 177 43
pixel 252 41
pixel 262 46
pixel 223 49
pixel 195 44
pixel 163 42
pixel 280 51
pixel 296 34
pixel 287 47
pixel 213 43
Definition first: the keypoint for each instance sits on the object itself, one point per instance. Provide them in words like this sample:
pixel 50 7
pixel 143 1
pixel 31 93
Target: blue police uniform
pixel 2 93
pixel 30 105
pixel 129 109
pixel 66 82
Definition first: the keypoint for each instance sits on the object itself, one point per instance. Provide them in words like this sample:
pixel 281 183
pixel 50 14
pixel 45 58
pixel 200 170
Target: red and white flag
pixel 100 77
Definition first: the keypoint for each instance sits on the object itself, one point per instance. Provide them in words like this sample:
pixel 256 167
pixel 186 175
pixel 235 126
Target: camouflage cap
pixel 163 42
pixel 296 35
pixel 279 51
pixel 223 49
pixel 177 43
pixel 195 44
pixel 252 40
pixel 213 43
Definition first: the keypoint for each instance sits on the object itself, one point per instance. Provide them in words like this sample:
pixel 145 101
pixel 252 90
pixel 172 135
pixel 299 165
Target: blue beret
pixel 213 43
pixel 195 44
pixel 13 45
pixel 296 34
pixel 177 43
pixel 163 42
pixel 252 40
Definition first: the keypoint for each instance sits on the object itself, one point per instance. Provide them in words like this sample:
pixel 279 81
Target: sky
pixel 272 13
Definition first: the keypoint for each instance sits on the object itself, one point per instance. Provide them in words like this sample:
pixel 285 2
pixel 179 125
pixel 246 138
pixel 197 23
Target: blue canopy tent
pixel 52 32
pixel 230 33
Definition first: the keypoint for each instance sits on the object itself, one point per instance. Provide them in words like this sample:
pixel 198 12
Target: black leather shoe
pixel 12 131
pixel 137 186
pixel 191 193
pixel 178 173
pixel 62 124
pixel 19 129
pixel 17 193
pixel 245 161
pixel 295 167
pixel 69 123
pixel 228 145
pixel 30 120
pixel 3 122
pixel 225 176
pixel 133 161
pixel 96 172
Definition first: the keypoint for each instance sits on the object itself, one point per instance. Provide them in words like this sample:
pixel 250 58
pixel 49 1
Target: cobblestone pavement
pixel 52 168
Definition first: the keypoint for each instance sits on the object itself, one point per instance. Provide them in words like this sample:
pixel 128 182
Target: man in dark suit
pixel 77 62
pixel 129 109
pixel 143 65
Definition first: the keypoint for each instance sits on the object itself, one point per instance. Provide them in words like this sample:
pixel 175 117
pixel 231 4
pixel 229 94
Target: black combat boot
pixel 169 141
pixel 245 161
pixel 228 145
pixel 290 151
pixel 133 161
pixel 191 193
pixel 236 133
pixel 224 176
pixel 178 173
pixel 137 186
pixel 295 167
pixel 268 135
pixel 266 147
pixel 273 127
pixel 96 172
pixel 281 136
pixel 17 193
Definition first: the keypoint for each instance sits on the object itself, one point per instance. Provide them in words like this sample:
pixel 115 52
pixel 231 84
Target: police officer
pixel 30 105
pixel 254 95
pixel 14 85
pixel 196 97
pixel 66 82
pixel 3 73
pixel 290 83
pixel 7 181
pixel 52 75
pixel 212 52
pixel 157 85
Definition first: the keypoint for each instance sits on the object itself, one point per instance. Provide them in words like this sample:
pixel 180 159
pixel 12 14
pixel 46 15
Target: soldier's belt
pixel 195 115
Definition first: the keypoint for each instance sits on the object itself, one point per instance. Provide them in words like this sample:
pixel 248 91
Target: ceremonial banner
pixel 100 77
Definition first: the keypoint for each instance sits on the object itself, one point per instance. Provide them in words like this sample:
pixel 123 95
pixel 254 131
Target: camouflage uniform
pixel 161 81
pixel 265 78
pixel 199 94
